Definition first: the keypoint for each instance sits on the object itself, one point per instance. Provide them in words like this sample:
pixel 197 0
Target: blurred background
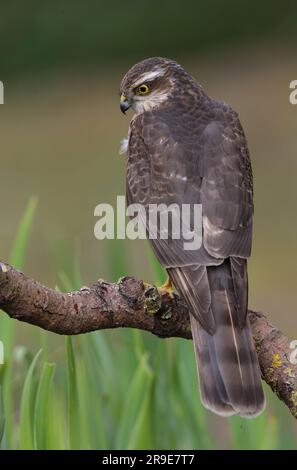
pixel 60 130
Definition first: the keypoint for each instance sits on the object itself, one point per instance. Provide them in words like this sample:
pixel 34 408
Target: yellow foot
pixel 167 288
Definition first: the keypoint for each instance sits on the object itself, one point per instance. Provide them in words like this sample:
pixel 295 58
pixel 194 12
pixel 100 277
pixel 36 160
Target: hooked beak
pixel 124 104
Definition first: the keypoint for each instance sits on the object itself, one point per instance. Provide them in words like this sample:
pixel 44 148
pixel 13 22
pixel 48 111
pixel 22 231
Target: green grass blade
pixel 141 436
pixel 43 407
pixel 7 326
pixel 270 433
pixel 101 356
pixel 21 240
pixel 135 428
pixel 57 435
pixel 27 408
pixel 91 412
pixel 93 390
pixel 73 402
pixel 188 394
pixel 2 415
pixel 260 433
pixel 85 397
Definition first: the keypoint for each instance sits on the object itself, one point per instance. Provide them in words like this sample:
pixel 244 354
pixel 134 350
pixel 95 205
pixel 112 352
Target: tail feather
pixel 228 368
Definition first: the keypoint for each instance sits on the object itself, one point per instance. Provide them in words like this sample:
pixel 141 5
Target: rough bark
pixel 130 303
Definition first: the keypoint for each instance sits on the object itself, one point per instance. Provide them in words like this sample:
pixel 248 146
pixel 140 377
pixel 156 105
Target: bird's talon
pixel 167 288
pixel 146 285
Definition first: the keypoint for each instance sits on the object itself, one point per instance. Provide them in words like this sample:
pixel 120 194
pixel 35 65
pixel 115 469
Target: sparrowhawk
pixel 184 147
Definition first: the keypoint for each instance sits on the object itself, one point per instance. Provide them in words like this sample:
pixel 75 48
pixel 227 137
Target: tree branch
pixel 131 304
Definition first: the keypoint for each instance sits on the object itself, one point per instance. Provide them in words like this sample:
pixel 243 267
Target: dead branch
pixel 131 304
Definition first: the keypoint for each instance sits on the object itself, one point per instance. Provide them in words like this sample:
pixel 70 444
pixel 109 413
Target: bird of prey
pixel 184 147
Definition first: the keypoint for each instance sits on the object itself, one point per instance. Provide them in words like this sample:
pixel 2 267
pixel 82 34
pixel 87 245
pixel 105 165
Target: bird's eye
pixel 142 89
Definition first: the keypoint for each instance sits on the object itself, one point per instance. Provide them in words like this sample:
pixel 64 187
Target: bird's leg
pixel 167 288
pixel 146 285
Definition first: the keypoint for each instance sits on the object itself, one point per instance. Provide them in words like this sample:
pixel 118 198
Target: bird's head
pixel 148 84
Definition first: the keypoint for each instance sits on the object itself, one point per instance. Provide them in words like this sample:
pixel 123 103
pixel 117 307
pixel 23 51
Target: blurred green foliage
pixel 119 390
pixel 41 36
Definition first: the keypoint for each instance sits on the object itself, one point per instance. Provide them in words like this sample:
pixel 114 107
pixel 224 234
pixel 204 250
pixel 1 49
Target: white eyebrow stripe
pixel 148 76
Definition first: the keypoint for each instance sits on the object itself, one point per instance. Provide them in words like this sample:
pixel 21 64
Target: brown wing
pixel 177 157
pixel 211 166
pixel 194 160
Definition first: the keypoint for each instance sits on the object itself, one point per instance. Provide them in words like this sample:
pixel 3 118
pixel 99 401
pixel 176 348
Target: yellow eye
pixel 142 89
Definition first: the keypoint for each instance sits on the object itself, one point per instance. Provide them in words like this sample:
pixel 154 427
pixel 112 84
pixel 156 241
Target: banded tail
pixel 227 363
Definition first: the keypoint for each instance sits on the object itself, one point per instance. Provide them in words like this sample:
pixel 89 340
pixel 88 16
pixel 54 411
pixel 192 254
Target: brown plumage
pixel 185 147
